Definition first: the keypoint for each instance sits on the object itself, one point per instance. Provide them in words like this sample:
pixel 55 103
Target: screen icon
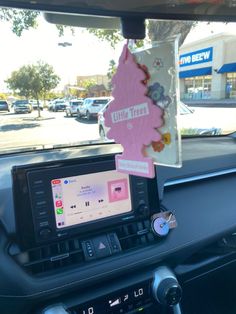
pixel 60 211
pixel 58 203
pixel 56 181
pixel 114 302
pixel 57 195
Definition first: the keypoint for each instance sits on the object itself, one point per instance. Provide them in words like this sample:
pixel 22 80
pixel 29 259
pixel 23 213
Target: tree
pixel 160 30
pixel 86 84
pixel 3 96
pixel 25 19
pixel 20 19
pixel 111 71
pixel 34 80
pixel 49 79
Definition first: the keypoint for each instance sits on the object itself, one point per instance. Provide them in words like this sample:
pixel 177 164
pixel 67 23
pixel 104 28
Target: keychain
pixel 163 222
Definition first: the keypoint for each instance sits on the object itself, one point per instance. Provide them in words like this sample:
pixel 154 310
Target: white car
pixel 34 104
pixel 190 123
pixel 72 107
pixel 91 106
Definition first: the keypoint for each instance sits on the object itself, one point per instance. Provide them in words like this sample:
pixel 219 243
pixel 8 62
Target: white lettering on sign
pixel 185 60
pixel 130 113
pixel 201 56
pixel 197 57
pixel 131 165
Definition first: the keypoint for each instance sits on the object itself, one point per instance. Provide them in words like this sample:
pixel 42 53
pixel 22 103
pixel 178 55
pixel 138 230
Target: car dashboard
pixel 62 269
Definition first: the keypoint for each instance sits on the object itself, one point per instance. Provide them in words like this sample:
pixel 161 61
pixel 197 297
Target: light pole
pixel 66 44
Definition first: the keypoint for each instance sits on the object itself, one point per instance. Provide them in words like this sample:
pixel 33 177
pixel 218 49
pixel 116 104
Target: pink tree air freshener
pixel 132 117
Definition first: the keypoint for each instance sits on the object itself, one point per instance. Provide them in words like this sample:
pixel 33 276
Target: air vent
pixel 69 252
pixel 51 257
pixel 134 235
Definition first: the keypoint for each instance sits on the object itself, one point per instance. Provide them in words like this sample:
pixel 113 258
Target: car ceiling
pixel 218 10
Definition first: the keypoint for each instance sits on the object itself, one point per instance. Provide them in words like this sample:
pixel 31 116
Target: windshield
pixel 76 103
pixel 101 101
pixel 21 102
pixel 70 72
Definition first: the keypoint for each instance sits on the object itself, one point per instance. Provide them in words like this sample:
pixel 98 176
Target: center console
pixel 75 212
pixel 82 197
pixel 151 292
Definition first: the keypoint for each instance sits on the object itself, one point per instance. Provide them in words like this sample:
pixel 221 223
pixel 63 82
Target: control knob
pixel 55 309
pixel 166 289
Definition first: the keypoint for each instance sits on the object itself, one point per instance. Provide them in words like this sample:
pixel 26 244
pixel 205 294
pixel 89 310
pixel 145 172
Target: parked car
pixel 58 105
pixel 34 104
pixel 196 122
pixel 4 106
pixel 22 106
pixel 190 122
pixel 72 106
pixel 91 106
pixel 50 105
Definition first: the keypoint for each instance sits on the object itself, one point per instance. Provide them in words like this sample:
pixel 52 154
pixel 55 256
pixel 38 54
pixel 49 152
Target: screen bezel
pixel 49 174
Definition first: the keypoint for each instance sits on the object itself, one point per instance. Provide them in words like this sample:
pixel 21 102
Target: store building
pixel 207 68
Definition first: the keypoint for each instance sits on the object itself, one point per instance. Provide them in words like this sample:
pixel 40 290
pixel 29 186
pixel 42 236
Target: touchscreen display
pixel 90 197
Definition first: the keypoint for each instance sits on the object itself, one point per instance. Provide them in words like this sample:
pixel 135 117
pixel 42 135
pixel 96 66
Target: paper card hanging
pixel 161 60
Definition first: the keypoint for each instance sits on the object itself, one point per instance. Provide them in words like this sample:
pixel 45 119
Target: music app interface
pixel 90 197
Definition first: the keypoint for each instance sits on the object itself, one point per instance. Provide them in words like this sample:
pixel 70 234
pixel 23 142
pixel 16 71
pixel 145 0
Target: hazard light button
pixel 101 246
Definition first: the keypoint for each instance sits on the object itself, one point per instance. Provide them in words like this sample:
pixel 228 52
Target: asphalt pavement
pixel 53 128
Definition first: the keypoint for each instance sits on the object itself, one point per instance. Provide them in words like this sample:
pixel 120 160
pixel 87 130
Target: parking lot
pixel 53 128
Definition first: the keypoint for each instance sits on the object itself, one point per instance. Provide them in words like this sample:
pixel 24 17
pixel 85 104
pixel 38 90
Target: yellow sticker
pixel 167 138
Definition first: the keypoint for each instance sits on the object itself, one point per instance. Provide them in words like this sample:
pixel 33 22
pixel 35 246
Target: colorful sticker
pixel 161 62
pixel 158 63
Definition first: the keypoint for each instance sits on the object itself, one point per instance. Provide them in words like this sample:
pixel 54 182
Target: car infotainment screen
pixel 85 198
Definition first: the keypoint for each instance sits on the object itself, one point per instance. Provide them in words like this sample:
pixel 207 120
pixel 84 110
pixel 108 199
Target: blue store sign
pixel 196 57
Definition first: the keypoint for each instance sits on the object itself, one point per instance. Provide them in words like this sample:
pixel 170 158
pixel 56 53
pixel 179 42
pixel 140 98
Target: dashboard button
pixel 37 182
pixel 43 223
pixel 41 203
pixel 45 233
pixel 101 246
pixel 114 242
pixel 42 213
pixel 88 249
pixel 39 192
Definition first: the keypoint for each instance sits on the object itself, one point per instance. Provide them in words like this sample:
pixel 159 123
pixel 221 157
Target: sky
pixel 205 29
pixel 88 55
